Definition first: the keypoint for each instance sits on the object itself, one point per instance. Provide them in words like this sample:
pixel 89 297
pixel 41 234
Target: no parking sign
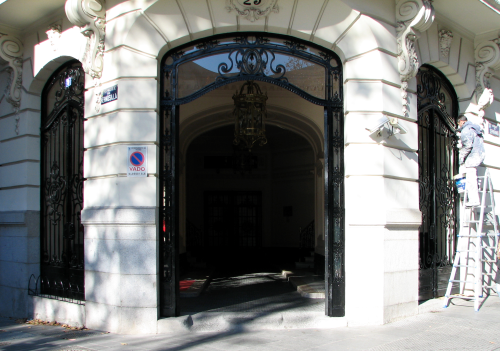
pixel 137 165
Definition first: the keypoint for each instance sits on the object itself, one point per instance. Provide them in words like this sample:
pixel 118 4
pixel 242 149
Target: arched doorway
pixel 61 193
pixel 438 163
pixel 311 72
pixel 244 213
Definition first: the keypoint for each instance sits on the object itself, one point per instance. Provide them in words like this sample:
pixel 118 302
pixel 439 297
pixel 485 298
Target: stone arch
pixel 335 26
pixel 40 79
pixel 455 60
pixel 295 122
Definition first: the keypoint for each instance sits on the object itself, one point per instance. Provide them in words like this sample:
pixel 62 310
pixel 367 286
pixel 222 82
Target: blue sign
pixel 109 94
pixel 493 129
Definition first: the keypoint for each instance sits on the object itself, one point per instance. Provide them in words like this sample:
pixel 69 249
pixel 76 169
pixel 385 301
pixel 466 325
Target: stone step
pixel 238 321
pixel 309 259
pixel 312 287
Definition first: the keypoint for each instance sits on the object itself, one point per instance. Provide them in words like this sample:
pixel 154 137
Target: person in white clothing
pixel 471 155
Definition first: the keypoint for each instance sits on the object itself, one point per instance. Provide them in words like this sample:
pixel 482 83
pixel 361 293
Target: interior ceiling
pixel 472 15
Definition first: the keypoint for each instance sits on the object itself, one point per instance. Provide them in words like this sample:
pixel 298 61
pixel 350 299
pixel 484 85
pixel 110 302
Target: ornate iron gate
pixel 61 195
pixel 437 106
pixel 307 70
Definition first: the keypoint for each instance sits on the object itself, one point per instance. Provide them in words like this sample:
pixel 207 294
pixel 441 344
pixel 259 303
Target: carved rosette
pixel 445 39
pixel 90 16
pixel 11 50
pixel 413 17
pixel 252 10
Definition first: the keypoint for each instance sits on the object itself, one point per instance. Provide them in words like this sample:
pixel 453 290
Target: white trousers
pixel 471 185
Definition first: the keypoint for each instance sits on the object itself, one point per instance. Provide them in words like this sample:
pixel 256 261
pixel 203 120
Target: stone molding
pixel 487 56
pixel 12 50
pixel 90 16
pixel 413 17
pixel 445 39
pixel 252 10
pixel 54 34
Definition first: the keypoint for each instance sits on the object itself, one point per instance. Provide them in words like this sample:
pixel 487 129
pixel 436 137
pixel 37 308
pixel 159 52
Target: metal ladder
pixel 477 252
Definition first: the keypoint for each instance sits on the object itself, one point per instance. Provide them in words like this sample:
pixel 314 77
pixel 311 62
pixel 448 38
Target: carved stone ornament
pixel 445 39
pixel 11 50
pixel 54 34
pixel 487 57
pixel 252 10
pixel 90 16
pixel 413 17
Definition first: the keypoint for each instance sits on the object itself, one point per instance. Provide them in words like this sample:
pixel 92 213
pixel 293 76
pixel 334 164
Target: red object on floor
pixel 185 284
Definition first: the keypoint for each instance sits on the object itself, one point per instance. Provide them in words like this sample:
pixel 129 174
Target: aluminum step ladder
pixel 477 252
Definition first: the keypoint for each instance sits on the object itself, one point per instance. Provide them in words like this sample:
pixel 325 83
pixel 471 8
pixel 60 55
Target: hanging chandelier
pixel 249 114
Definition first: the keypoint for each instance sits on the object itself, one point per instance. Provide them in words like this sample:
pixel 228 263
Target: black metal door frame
pixel 253 55
pixel 437 166
pixel 61 193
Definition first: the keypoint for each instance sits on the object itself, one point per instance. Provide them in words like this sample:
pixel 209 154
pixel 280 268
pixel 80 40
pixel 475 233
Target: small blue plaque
pixel 493 129
pixel 109 94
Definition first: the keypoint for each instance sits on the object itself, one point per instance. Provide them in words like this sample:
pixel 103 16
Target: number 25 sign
pixel 252 10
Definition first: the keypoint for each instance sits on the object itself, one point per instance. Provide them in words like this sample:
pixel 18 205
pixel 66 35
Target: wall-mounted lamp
pixel 391 122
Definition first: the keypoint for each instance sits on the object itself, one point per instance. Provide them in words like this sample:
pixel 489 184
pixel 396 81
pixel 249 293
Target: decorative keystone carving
pixel 413 17
pixel 487 57
pixel 445 39
pixel 252 10
pixel 54 34
pixel 11 50
pixel 90 16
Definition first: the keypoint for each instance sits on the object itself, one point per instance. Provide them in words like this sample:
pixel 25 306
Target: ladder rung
pixel 464 265
pixel 459 281
pixel 470 236
pixel 458 251
pixel 460 297
pixel 489 287
pixel 489 261
pixel 489 274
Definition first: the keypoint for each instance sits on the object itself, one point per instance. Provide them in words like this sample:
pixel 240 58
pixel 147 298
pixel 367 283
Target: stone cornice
pixel 90 16
pixel 11 50
pixel 413 17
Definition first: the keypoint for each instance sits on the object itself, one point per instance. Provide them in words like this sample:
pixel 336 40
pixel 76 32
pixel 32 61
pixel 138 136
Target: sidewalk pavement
pixel 457 327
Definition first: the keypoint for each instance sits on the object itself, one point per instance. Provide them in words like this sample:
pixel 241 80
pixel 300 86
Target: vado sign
pixel 137 164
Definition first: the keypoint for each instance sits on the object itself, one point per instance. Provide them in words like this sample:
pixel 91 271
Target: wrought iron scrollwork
pixel 437 196
pixel 273 60
pixel 62 183
pixel 250 57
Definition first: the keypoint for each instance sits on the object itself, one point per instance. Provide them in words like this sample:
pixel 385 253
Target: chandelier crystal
pixel 249 113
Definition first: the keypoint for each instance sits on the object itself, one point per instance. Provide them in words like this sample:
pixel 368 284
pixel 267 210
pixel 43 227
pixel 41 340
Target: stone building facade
pixel 356 162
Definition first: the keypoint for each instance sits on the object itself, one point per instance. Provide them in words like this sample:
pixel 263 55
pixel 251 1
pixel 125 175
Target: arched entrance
pixel 61 195
pixel 237 229
pixel 437 157
pixel 309 71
